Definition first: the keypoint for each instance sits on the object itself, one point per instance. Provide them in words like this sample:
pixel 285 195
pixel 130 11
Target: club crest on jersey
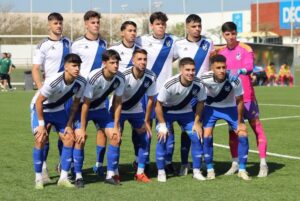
pixel 75 89
pixel 194 92
pixel 185 49
pixel 52 47
pixel 204 47
pixel 122 53
pixel 168 42
pixel 128 86
pixel 116 84
pixel 227 88
pixel 238 56
pixel 86 47
pixel 103 46
pixel 146 84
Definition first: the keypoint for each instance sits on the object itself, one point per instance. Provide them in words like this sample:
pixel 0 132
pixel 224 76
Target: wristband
pixel 41 123
pixel 162 128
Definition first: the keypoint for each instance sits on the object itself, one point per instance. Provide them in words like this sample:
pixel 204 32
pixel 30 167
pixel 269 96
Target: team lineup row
pixel 136 71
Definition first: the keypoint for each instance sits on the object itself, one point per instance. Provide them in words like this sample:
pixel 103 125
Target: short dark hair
pixel 72 58
pixel 126 23
pixel 110 54
pixel 272 64
pixel 91 13
pixel 185 61
pixel 55 16
pixel 193 18
pixel 158 16
pixel 228 26
pixel 217 58
pixel 138 50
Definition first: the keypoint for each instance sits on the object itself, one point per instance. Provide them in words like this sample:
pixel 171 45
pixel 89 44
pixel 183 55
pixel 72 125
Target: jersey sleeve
pixel 238 89
pixel 201 96
pixel 151 91
pixel 39 55
pixel 120 89
pixel 89 90
pixel 248 61
pixel 175 53
pixel 46 89
pixel 162 95
pixel 80 92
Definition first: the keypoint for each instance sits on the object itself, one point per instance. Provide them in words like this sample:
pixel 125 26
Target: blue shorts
pixel 136 120
pixel 251 110
pixel 185 120
pixel 101 118
pixel 144 102
pixel 212 114
pixel 57 119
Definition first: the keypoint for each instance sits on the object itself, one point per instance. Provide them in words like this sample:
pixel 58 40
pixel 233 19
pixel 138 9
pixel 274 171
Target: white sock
pixel 161 171
pixel 110 174
pixel 38 176
pixel 196 171
pixel 263 161
pixel 235 161
pixel 63 175
pixel 44 165
pixel 116 171
pixel 210 170
pixel 140 171
pixel 98 164
pixel 78 175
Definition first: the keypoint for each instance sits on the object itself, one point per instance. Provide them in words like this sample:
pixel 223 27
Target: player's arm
pixel 240 109
pixel 161 128
pixel 74 108
pixel 148 115
pixel 117 105
pixel 41 130
pixel 247 63
pixel 197 127
pixel 36 75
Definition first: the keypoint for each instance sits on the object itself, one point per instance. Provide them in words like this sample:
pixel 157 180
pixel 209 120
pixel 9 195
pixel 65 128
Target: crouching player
pixel 224 101
pixel 47 107
pixel 173 104
pixel 101 83
pixel 138 82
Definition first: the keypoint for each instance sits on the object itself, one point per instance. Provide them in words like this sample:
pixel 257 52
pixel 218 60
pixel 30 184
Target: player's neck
pixel 69 79
pixel 91 36
pixel 137 74
pixel 158 36
pixel 184 82
pixel 219 80
pixel 193 39
pixel 54 37
pixel 107 75
pixel 127 44
pixel 232 45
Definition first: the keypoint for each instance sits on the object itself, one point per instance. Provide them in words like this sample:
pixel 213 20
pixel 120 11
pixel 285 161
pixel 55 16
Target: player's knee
pixel 68 140
pixel 242 133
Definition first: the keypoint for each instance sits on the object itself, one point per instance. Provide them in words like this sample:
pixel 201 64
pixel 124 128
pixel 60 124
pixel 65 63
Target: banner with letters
pixel 289 14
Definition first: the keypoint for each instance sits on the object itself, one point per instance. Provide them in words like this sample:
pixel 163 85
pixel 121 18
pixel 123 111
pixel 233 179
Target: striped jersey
pixel 221 94
pixel 176 98
pixel 57 92
pixel 160 55
pixel 135 89
pixel 98 88
pixel 199 51
pixel 49 54
pixel 90 52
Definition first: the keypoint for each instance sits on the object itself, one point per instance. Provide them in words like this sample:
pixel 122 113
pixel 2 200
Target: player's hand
pixel 197 128
pixel 162 132
pixel 116 133
pixel 241 129
pixel 148 128
pixel 68 130
pixel 242 71
pixel 41 134
pixel 232 77
pixel 80 136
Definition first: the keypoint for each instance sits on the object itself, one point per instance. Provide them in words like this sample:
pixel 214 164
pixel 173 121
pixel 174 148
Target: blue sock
pixel 113 154
pixel 78 156
pixel 37 155
pixel 160 155
pixel 46 151
pixel 185 148
pixel 100 152
pixel 208 151
pixel 243 149
pixel 134 138
pixel 196 149
pixel 60 145
pixel 170 147
pixel 148 148
pixel 143 148
pixel 66 158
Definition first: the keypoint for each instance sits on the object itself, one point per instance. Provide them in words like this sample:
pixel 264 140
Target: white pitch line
pixel 268 153
pixel 279 105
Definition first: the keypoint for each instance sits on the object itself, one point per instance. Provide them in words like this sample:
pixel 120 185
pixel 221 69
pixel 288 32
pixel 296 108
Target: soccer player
pixel 160 48
pixel 5 68
pixel 271 74
pixel 47 106
pixel 138 82
pixel 101 82
pixel 173 104
pixel 90 48
pixel 240 60
pixel 224 101
pixel 126 47
pixel 199 48
pixel 49 58
pixel 285 74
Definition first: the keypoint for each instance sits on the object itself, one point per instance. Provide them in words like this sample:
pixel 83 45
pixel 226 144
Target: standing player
pixel 101 82
pixel 160 48
pixel 199 48
pixel 90 48
pixel 224 101
pixel 139 81
pixel 48 107
pixel 127 46
pixel 49 58
pixel 240 60
pixel 173 104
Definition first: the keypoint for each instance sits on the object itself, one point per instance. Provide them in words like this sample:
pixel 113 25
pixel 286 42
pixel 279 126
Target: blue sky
pixel 128 6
